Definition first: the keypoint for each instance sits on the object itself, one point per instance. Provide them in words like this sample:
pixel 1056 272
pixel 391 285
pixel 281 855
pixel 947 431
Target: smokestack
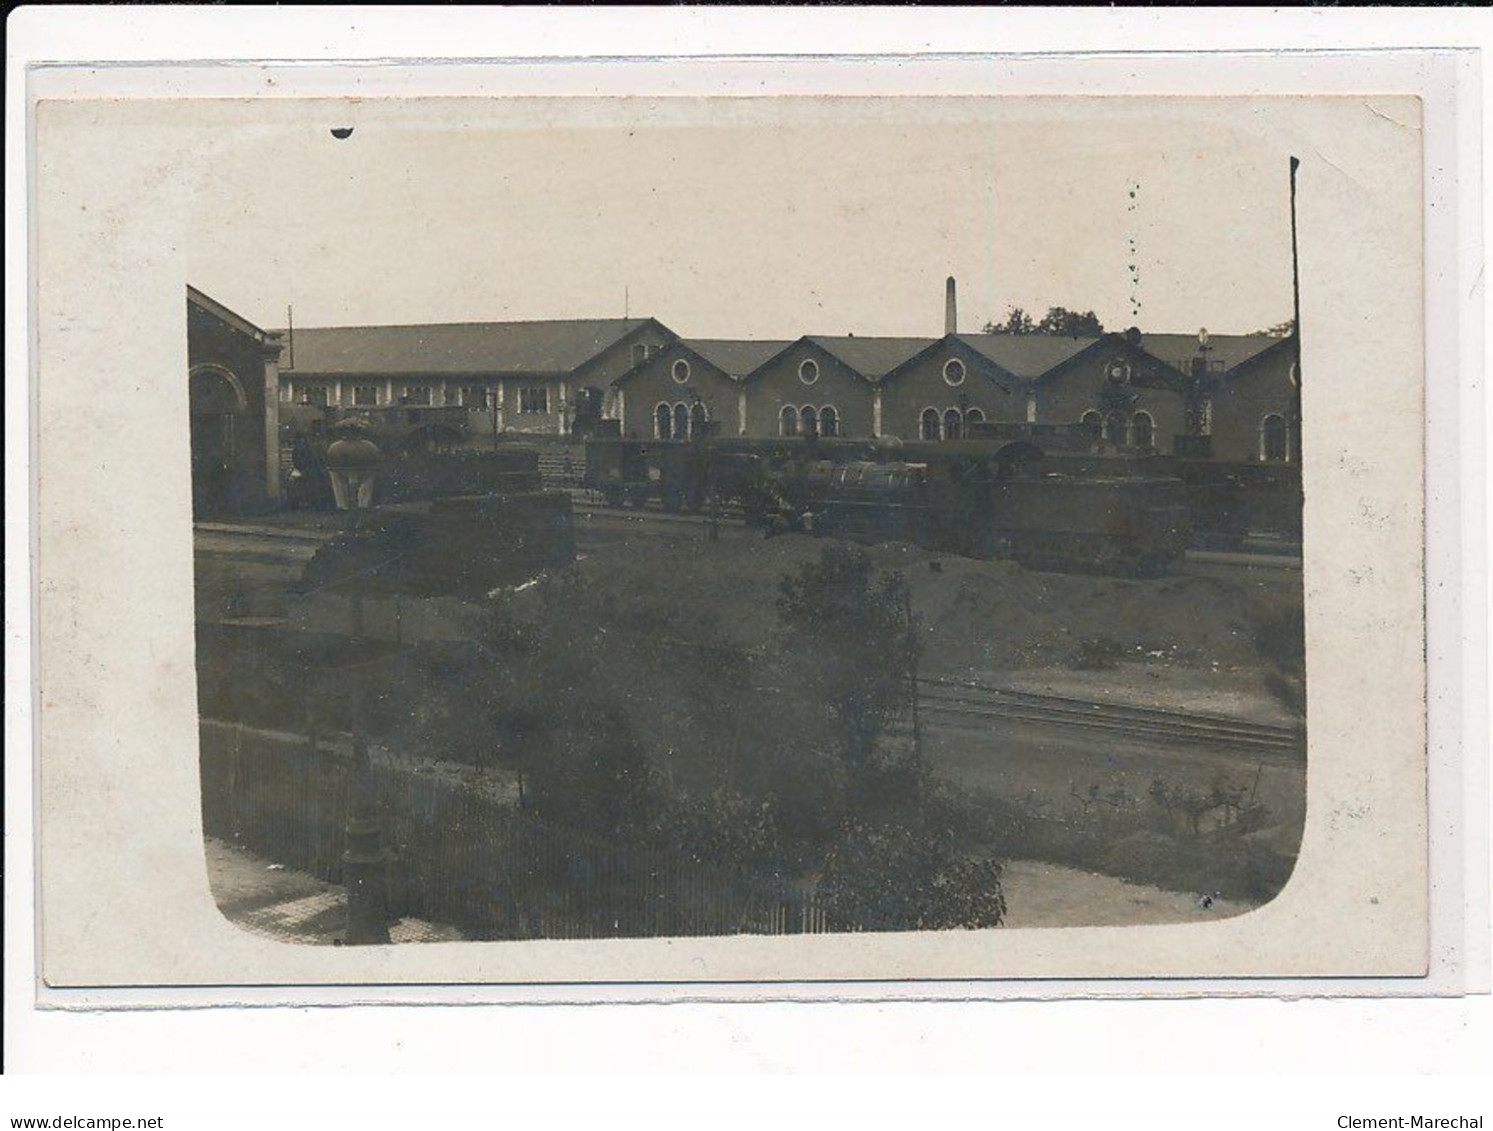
pixel 950 309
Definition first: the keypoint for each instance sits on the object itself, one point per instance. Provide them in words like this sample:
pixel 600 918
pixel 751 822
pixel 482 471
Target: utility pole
pixel 353 465
pixel 1295 427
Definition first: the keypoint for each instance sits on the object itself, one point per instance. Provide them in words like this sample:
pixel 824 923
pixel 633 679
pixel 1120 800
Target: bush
pixel 594 775
pixel 851 637
pixel 898 878
pixel 1098 654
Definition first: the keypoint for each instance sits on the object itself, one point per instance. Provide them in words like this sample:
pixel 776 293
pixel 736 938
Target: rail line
pixel 941 699
pixel 590 516
pixel 948 697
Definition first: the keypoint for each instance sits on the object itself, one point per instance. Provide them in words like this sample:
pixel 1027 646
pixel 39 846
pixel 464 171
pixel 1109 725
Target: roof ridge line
pixel 490 322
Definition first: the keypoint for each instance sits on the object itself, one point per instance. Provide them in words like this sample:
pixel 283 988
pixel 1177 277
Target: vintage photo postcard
pixel 666 539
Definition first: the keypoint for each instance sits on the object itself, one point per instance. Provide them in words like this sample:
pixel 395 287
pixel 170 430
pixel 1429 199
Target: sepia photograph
pixel 814 544
pixel 776 541
pixel 734 539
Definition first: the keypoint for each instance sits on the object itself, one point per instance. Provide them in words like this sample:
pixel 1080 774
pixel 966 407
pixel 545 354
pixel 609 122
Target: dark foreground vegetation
pixel 657 726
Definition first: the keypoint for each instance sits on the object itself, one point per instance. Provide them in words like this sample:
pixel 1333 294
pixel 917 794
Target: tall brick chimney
pixel 950 309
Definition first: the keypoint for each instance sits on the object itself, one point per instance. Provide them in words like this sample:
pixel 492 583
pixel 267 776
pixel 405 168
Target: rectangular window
pixel 534 398
pixel 315 394
pixel 474 396
pixel 1197 366
pixel 416 394
pixel 365 395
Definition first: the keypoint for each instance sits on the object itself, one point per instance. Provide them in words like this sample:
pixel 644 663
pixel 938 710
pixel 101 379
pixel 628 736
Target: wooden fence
pixel 465 857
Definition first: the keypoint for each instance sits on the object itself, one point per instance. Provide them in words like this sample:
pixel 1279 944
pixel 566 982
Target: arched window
pixel 681 420
pixel 1114 429
pixel 216 390
pixel 217 402
pixel 788 421
pixel 829 421
pixel 1092 420
pixel 929 428
pixel 1273 438
pixel 662 418
pixel 810 419
pixel 974 416
pixel 953 424
pixel 1144 429
pixel 697 418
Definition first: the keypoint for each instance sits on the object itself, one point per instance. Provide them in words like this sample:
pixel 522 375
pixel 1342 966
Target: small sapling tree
pixel 851 637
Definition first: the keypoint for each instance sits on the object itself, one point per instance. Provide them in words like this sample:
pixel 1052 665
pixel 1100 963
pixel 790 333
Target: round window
pixel 1118 372
pixel 808 371
pixel 953 371
pixel 680 371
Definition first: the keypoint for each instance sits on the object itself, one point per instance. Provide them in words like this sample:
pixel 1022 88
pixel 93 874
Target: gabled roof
pixel 732 357
pixel 872 358
pixel 549 347
pixel 1027 356
pixel 228 317
pixel 1251 363
pixel 1225 351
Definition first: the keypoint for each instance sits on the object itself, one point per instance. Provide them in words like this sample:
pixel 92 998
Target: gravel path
pixel 1046 895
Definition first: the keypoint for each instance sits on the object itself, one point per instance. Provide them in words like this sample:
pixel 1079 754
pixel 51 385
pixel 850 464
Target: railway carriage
pixel 987 496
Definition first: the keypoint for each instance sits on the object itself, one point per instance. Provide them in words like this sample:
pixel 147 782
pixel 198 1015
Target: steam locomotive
pixel 987 496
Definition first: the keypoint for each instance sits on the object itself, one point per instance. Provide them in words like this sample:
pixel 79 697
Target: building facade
pixel 557 378
pixel 825 386
pixel 1131 398
pixel 233 389
pixel 966 379
pixel 686 384
pixel 1253 414
pixel 532 378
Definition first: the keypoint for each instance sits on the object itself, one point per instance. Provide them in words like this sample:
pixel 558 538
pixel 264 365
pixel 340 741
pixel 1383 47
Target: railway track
pixel 959 699
pixel 597 516
pixel 952 698
pixel 939 699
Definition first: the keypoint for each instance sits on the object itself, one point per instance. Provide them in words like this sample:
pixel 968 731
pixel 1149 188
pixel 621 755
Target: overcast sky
pixel 764 218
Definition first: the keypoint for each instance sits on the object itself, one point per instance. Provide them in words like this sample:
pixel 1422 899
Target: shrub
pixel 1098 654
pixel 852 635
pixel 888 877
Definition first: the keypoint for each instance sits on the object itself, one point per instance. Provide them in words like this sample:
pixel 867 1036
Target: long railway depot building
pixel 560 378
